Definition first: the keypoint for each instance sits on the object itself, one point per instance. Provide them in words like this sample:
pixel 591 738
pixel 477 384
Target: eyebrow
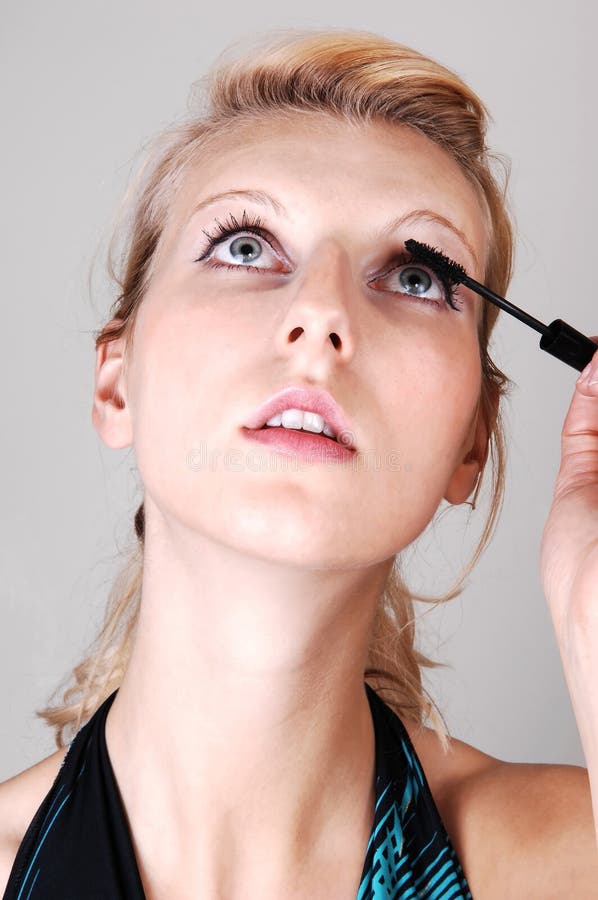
pixel 428 215
pixel 260 197
pixel 415 215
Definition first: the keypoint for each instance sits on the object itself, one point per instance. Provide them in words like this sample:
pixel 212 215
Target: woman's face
pixel 215 338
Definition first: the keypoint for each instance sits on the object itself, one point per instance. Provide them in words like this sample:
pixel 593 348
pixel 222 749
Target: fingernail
pixel 584 375
pixel 592 376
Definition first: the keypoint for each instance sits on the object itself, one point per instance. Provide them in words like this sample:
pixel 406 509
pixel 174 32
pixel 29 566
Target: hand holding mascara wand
pixel 559 338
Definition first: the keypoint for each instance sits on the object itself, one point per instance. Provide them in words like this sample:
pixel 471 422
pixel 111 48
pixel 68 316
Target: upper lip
pixel 310 400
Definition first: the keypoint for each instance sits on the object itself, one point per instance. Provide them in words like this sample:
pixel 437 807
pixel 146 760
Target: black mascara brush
pixel 558 338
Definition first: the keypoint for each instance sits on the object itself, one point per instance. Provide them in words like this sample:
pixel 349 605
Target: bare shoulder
pixel 519 829
pixel 20 798
pixel 531 825
pixel 446 771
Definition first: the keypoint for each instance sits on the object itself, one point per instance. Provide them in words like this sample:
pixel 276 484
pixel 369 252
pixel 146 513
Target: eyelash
pixel 254 226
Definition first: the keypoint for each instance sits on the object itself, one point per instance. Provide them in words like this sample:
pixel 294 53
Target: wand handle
pixel 568 344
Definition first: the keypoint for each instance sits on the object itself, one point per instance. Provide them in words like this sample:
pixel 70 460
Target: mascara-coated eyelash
pixel 253 225
pixel 451 291
pixel 227 229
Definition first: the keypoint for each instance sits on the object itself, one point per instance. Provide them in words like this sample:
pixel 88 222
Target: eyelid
pixel 404 258
pixel 399 258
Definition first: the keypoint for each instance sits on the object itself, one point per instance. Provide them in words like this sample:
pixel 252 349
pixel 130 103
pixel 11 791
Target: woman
pixel 225 742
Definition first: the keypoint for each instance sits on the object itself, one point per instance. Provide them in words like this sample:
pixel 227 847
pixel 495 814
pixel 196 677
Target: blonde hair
pixel 358 77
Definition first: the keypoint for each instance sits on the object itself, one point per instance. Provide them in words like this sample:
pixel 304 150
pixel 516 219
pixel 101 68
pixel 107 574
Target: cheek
pixel 428 431
pixel 431 402
pixel 184 380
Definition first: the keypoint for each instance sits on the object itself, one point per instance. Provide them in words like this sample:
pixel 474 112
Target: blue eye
pixel 246 247
pixel 411 279
pixel 414 279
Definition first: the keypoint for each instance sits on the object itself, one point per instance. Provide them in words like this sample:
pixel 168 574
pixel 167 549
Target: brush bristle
pixel 436 260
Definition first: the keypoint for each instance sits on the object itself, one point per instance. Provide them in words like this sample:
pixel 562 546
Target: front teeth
pixel 300 419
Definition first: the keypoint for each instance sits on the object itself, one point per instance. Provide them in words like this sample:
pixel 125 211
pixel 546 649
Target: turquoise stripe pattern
pixel 409 855
pixel 45 831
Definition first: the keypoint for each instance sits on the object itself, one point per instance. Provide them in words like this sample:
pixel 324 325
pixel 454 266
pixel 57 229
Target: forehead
pixel 337 172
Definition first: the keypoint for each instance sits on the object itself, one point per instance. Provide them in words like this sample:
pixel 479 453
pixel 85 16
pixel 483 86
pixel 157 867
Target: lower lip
pixel 302 444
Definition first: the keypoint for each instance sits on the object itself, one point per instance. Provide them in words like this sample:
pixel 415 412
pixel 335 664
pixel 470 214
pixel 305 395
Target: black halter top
pixel 78 845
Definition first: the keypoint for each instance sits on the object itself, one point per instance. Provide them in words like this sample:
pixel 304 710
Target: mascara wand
pixel 559 339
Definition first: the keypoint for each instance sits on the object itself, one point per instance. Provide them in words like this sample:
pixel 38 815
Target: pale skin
pixel 241 737
pixel 251 589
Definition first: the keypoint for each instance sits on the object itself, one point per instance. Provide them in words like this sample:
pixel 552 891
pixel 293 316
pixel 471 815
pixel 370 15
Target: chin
pixel 291 538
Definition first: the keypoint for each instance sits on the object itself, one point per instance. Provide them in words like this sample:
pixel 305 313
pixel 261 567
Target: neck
pixel 242 725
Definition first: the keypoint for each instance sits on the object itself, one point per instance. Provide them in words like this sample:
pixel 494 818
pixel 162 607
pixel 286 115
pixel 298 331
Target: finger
pixel 579 436
pixel 591 370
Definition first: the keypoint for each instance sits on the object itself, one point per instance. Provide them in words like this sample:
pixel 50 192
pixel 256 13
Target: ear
pixel 464 478
pixel 110 414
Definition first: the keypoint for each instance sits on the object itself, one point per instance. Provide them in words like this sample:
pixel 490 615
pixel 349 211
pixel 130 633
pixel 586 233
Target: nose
pixel 318 324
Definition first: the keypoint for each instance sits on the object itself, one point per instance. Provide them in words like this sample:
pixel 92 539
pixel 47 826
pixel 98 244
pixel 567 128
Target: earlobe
pixel 463 482
pixel 110 414
pixel 464 479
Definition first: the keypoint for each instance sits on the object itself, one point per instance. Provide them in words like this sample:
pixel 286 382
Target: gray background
pixel 83 86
